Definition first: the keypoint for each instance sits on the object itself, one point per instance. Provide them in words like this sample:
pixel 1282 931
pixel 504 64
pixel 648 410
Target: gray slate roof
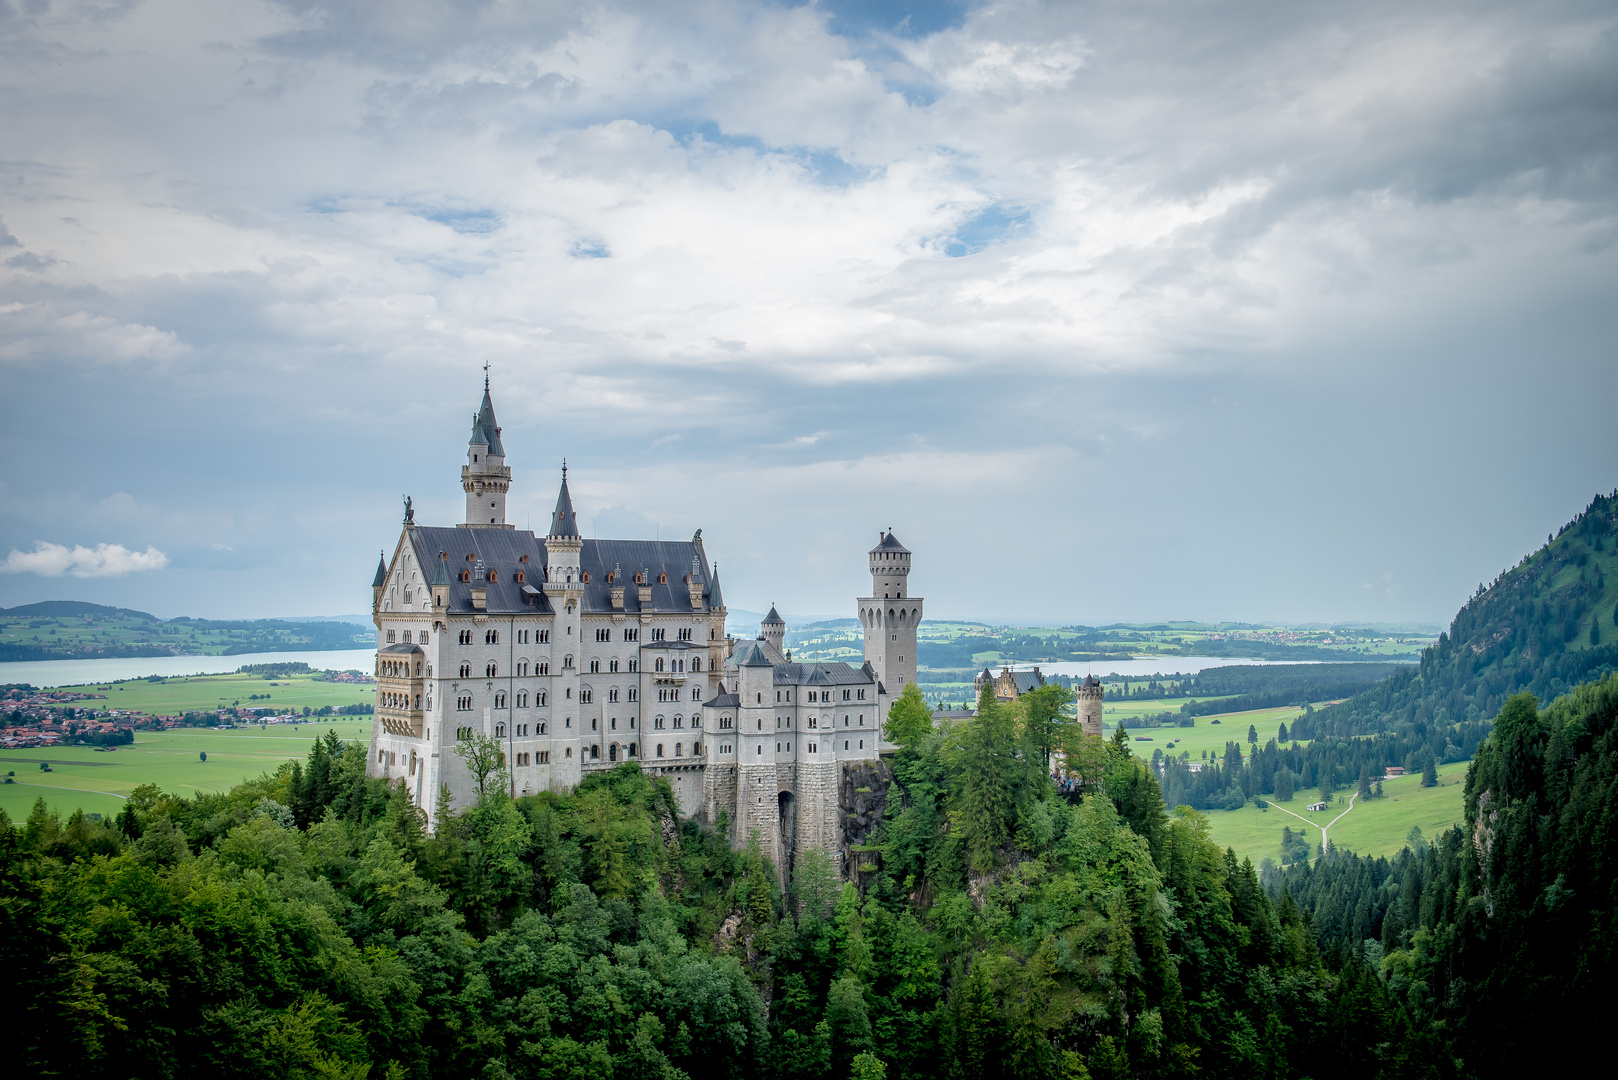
pixel 484 427
pixel 773 618
pixel 890 542
pixel 381 572
pixel 563 520
pixel 501 550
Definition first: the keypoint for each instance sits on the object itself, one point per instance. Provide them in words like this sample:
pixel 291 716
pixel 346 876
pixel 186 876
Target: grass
pixel 1376 827
pixel 103 631
pixel 205 692
pixel 82 778
pixel 1206 735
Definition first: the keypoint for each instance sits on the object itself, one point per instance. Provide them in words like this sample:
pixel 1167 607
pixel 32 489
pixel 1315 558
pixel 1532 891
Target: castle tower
pixel 1089 695
pixel 890 616
pixel 758 788
pixel 564 588
pixel 485 477
pixel 773 630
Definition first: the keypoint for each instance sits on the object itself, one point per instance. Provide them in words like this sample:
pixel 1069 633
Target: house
pixel 1317 806
pixel 1394 770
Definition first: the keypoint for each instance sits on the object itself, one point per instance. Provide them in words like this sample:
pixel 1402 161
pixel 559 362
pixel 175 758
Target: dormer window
pixel 466 575
pixel 662 579
pixel 521 577
pixel 584 576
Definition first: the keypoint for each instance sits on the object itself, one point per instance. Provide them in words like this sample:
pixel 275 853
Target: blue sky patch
pixel 994 225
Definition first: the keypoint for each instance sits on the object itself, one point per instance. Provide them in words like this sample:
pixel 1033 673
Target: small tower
pixel 890 615
pixel 1089 695
pixel 773 630
pixel 485 477
pixel 379 581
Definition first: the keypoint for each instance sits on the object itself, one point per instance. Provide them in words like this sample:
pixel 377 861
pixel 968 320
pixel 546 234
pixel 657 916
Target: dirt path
pixel 1325 841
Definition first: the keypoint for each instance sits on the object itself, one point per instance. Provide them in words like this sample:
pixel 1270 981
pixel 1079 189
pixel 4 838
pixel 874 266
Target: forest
pixel 306 925
pixel 1495 936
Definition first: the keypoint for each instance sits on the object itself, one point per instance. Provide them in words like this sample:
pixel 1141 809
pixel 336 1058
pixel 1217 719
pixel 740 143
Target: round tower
pixel 485 477
pixel 890 615
pixel 773 630
pixel 1089 695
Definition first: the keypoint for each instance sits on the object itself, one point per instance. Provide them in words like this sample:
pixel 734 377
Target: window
pixel 659 665
pixel 544 637
pixel 544 757
pixel 595 750
pixel 612 665
pixel 595 667
pixel 544 667
pixel 519 577
pixel 679 721
pixel 522 635
pixel 696 663
pixel 390 635
pixel 541 698
pixel 862 695
pixel 491 637
pixel 612 693
pixel 845 744
pixel 570 751
pixel 814 748
pixel 499 731
pixel 466 637
pixel 812 722
pixel 567 661
pixel 522 667
pixel 660 748
pixel 489 669
pixel 634 693
pixel 632 634
pixel 604 634
pixel 592 723
pixel 811 695
pixel 685 633
pixel 659 634
pixel 696 693
pixel 586 695
pixel 466 671
pixel 464 703
pixel 677 750
pixel 657 722
pixel 500 699
pixel 634 666
pixel 632 750
pixel 542 729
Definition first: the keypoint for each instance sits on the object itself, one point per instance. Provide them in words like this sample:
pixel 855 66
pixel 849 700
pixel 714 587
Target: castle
pixel 578 654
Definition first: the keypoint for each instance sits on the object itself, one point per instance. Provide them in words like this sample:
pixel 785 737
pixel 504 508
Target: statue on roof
pixel 410 511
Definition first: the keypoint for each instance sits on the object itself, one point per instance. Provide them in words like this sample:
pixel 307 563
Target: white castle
pixel 581 654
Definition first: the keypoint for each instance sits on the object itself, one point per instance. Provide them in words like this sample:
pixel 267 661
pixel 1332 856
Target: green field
pixel 1374 827
pixel 84 778
pixel 71 629
pixel 202 693
pixel 1206 735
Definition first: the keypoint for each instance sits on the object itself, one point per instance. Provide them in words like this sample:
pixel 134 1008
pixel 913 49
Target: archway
pixel 787 809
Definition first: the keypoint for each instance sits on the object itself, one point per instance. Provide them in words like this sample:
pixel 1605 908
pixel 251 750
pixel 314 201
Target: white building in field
pixel 578 654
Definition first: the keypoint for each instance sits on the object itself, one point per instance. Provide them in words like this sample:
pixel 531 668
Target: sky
pixel 1111 311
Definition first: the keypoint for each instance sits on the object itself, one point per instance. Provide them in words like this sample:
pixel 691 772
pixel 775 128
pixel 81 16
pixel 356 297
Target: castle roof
pixel 715 600
pixel 485 429
pixel 889 542
pixel 754 657
pixel 502 551
pixel 563 520
pixel 441 575
pixel 381 571
pixel 723 700
pixel 773 618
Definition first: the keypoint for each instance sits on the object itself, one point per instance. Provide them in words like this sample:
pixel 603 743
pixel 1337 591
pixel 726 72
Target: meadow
pixel 204 693
pixel 82 777
pixel 1375 827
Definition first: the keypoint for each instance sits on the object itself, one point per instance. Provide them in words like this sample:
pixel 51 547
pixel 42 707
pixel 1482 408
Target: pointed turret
pixel 716 600
pixel 380 581
pixel 563 522
pixel 773 629
pixel 485 477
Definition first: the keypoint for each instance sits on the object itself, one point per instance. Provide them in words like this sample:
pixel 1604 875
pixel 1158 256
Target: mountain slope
pixel 1543 626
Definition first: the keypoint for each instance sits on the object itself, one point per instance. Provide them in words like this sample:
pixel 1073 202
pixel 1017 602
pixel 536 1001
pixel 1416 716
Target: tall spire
pixel 715 599
pixel 485 477
pixel 563 521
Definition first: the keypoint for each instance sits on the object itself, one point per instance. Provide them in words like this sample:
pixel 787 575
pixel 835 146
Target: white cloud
pixel 103 560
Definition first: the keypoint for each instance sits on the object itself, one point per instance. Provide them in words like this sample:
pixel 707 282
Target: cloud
pixel 103 560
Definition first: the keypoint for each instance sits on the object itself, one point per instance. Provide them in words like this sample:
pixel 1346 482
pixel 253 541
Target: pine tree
pixel 1429 772
pixel 1252 734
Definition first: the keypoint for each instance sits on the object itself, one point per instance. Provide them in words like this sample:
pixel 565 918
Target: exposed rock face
pixel 862 798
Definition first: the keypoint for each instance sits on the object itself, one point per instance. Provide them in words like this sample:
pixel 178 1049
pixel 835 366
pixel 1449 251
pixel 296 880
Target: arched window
pixel 542 697
pixel 466 671
pixel 612 693
pixel 612 665
pixel 659 749
pixel 489 669
pixel 522 699
pixel 567 661
pixel 500 700
pixel 677 750
pixel 522 667
pixel 631 749
pixel 544 667
pixel 499 731
pixel 595 751
pixel 696 663
pixel 659 666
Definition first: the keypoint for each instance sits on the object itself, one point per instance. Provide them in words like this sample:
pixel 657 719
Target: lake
pixel 85 672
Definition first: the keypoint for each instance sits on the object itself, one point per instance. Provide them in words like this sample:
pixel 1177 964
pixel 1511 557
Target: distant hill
pixel 76 607
pixel 76 630
pixel 1546 625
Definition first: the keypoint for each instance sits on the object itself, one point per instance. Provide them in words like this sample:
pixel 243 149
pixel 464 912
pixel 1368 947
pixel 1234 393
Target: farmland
pixel 81 777
pixel 204 693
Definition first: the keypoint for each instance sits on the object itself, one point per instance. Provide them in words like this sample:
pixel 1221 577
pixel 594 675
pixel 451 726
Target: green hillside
pixel 1543 626
pixel 75 630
